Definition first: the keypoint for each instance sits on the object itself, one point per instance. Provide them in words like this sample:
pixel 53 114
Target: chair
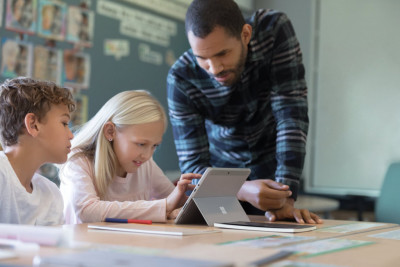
pixel 387 208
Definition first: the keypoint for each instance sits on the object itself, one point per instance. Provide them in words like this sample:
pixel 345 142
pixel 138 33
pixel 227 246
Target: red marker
pixel 116 220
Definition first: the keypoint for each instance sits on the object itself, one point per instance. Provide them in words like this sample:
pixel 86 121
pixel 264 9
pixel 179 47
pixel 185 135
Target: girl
pixel 111 172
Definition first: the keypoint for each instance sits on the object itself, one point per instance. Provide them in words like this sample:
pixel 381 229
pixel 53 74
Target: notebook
pixel 214 198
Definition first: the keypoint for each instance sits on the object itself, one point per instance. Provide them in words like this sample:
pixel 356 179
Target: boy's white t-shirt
pixel 44 206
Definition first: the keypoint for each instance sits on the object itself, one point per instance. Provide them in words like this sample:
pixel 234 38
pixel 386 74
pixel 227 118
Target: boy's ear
pixel 109 131
pixel 31 124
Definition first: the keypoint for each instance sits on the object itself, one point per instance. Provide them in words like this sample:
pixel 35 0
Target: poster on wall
pixel 76 69
pixel 47 63
pixel 80 114
pixel 52 19
pixel 116 47
pixel 16 58
pixel 21 15
pixel 80 25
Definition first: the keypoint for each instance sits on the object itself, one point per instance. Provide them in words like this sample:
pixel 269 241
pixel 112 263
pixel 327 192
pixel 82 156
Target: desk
pixel 384 252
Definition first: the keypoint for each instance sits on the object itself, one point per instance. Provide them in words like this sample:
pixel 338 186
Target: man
pixel 238 98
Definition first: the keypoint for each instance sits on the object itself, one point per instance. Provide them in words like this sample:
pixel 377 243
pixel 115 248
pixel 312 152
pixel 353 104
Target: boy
pixel 34 117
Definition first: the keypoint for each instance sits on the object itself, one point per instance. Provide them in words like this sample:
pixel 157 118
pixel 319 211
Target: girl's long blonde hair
pixel 124 109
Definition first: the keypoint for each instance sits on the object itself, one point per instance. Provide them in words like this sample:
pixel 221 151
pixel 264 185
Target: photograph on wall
pixel 21 15
pixel 80 114
pixel 47 64
pixel 52 19
pixel 80 25
pixel 16 58
pixel 76 69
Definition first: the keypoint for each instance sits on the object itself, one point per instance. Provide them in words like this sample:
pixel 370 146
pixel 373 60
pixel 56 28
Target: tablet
pixel 267 226
pixel 214 198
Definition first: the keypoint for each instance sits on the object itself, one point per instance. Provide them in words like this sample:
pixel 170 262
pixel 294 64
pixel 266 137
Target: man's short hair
pixel 20 96
pixel 203 16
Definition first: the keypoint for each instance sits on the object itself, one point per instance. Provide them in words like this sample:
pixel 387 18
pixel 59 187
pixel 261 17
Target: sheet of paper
pixel 388 235
pixel 241 257
pixel 153 229
pixel 352 227
pixel 267 241
pixel 315 248
pixel 299 264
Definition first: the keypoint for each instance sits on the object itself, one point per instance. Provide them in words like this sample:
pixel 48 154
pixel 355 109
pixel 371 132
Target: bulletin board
pixel 125 46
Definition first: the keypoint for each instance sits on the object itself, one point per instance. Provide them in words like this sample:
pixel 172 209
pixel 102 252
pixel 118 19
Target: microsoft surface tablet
pixel 214 198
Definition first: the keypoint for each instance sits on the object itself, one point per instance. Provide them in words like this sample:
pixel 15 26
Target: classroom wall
pixel 301 14
pixel 151 51
pixel 351 56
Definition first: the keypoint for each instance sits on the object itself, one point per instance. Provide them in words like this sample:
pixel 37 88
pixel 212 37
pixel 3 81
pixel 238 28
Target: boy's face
pixel 55 135
pixel 135 144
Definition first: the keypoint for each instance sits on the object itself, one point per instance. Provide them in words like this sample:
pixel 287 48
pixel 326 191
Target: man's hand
pixel 288 211
pixel 264 194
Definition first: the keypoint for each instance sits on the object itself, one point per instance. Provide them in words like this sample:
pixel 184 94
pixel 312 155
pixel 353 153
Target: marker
pixel 116 220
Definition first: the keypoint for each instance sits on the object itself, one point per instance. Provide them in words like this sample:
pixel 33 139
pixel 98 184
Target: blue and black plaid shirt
pixel 261 122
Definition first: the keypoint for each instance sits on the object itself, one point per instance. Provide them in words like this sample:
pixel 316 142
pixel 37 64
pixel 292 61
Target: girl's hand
pixel 173 214
pixel 177 198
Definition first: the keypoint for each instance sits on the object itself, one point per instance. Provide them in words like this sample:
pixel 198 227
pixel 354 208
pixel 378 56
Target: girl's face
pixel 135 144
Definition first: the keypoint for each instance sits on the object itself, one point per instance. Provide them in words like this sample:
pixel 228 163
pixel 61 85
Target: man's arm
pixel 188 128
pixel 289 106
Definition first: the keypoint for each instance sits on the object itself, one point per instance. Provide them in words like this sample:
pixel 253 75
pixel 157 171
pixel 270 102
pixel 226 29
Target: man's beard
pixel 237 71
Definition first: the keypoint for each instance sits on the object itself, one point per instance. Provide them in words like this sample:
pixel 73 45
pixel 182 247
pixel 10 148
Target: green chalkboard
pixel 110 75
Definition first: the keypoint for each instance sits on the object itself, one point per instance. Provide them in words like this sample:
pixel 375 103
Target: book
pixel 153 229
pixel 267 227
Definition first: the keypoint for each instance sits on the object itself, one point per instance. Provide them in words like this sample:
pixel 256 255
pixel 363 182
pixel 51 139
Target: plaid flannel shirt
pixel 260 123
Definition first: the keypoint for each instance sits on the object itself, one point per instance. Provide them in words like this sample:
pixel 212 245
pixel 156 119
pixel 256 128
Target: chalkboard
pixel 110 74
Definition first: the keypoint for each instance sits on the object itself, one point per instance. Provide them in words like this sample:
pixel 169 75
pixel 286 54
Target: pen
pixel 116 220
pixel 280 255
